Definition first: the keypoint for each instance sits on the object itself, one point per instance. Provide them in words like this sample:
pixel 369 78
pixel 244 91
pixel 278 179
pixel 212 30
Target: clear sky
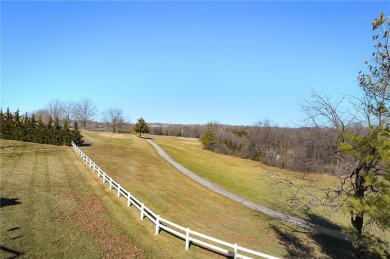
pixel 187 62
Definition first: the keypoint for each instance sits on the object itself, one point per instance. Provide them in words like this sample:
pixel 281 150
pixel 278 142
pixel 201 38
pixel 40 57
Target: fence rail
pixel 188 235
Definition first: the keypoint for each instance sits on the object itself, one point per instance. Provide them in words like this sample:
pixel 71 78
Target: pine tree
pixel 66 134
pixel 16 133
pixel 7 127
pixel 33 127
pixel 141 127
pixel 209 139
pixel 77 138
pixel 41 131
pixel 26 129
pixel 57 138
pixel 48 137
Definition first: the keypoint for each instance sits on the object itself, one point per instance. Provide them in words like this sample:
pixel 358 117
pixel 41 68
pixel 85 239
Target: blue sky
pixel 184 61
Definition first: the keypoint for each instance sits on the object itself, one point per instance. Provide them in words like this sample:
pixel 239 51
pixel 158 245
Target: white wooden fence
pixel 186 234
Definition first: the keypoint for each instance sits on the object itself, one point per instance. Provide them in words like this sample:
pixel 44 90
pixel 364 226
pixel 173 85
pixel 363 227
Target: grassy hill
pixel 65 211
pixel 247 178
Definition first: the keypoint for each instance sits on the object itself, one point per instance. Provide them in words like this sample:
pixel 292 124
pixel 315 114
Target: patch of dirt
pixel 89 216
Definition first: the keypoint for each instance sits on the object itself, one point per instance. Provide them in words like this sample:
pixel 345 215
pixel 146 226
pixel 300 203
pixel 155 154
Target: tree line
pixel 85 112
pixel 14 126
pixel 297 149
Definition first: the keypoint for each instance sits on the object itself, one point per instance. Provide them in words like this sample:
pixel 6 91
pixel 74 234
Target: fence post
pixel 110 183
pixel 128 199
pixel 187 238
pixel 235 250
pixel 142 211
pixel 119 190
pixel 104 178
pixel 157 224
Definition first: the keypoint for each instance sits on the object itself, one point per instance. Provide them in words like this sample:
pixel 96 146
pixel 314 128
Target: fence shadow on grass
pixel 195 245
pixel 4 202
pixel 14 254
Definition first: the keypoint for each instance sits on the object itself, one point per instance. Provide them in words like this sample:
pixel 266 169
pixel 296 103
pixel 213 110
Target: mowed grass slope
pixel 53 206
pixel 244 177
pixel 253 180
pixel 133 163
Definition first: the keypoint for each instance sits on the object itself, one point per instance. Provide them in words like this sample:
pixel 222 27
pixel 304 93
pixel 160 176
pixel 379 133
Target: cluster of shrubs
pixel 13 126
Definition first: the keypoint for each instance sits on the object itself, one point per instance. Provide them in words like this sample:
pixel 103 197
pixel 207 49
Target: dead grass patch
pixel 89 216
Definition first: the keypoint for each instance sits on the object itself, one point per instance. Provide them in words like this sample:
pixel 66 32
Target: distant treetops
pixel 29 129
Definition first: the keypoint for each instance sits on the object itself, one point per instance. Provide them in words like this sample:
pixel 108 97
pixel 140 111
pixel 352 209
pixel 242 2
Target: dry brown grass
pixel 60 212
pixel 138 168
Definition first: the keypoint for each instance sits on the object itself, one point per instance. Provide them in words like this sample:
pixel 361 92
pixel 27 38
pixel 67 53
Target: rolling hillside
pixel 64 210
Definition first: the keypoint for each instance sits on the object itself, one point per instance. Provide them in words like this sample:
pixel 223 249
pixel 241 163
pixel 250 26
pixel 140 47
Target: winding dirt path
pixel 253 205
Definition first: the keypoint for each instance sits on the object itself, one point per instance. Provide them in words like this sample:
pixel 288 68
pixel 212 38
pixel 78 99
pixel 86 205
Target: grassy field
pixel 251 179
pixel 136 165
pixel 53 206
pixel 247 178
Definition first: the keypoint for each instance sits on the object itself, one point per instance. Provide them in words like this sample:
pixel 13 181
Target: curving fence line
pixel 186 234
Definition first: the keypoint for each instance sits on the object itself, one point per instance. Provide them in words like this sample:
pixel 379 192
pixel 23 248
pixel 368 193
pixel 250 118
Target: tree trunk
pixel 357 219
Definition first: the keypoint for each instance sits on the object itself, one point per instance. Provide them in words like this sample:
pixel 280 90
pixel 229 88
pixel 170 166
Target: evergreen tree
pixel 33 128
pixel 209 139
pixel 77 138
pixel 66 134
pixel 141 127
pixel 13 126
pixel 7 127
pixel 15 133
pixel 48 136
pixel 41 131
pixel 26 129
pixel 57 138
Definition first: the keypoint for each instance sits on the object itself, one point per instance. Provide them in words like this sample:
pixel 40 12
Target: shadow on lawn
pixel 330 247
pixel 291 239
pixel 85 144
pixel 4 202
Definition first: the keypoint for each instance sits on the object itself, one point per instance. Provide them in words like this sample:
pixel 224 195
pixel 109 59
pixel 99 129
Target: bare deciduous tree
pixel 84 111
pixel 56 108
pixel 43 114
pixel 113 118
pixel 69 109
pixel 355 133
